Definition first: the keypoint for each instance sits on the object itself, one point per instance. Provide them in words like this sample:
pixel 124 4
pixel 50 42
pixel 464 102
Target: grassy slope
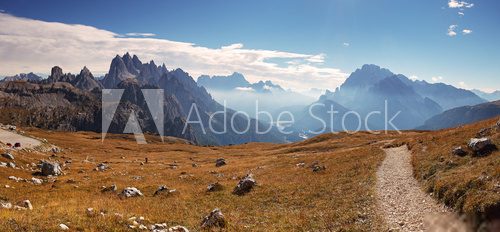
pixel 468 184
pixel 286 198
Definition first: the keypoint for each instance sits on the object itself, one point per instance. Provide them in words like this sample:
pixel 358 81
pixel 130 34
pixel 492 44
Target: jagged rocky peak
pixel 56 72
pixel 86 72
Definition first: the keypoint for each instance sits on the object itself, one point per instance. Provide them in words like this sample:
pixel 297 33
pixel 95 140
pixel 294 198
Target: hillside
pixel 288 196
pixel 467 183
pixel 339 195
pixel 462 116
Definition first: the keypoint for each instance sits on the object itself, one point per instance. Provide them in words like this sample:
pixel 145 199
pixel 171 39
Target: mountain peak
pixel 56 72
pixel 84 70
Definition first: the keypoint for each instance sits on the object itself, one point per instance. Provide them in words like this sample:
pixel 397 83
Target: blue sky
pixel 408 37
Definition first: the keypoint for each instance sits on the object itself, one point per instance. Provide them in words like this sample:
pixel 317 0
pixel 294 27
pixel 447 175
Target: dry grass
pixel 468 184
pixel 287 198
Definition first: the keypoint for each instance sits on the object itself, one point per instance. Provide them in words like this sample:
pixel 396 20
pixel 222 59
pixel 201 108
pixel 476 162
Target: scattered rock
pixel 459 151
pixel 178 229
pixel 214 220
pixel 11 165
pixel 481 146
pixel 215 187
pixel 102 167
pixel 27 204
pixel 158 227
pixel 318 168
pixel 111 188
pixel 194 165
pixel 220 162
pixel 55 150
pixel 36 181
pixel 5 205
pixel 131 192
pixel 8 156
pixel 484 132
pixel 3 164
pixel 165 191
pixel 51 168
pixel 245 185
pixel 63 227
pixel 16 179
pixel 24 205
pixel 90 212
pixel 300 165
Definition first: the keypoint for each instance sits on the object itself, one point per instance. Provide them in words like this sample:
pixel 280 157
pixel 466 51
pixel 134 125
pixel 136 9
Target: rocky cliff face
pixel 69 102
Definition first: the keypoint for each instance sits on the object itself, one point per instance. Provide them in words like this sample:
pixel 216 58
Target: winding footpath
pixel 403 205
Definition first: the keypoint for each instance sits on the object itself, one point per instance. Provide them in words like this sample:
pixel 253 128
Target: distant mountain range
pixel 237 82
pixel 494 96
pixel 368 89
pixel 73 102
pixel 240 94
pixel 462 116
pixel 65 101
pixel 23 77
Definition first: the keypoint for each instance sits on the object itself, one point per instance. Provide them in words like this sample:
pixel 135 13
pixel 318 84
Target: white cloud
pixel 31 45
pixel 137 34
pixel 451 30
pixel 414 78
pixel 346 44
pixel 437 78
pixel 247 89
pixel 461 13
pixel 466 31
pixel 459 4
pixel 320 58
pixel 463 85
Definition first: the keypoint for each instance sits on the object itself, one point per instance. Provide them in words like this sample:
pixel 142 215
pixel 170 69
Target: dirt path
pixel 11 137
pixel 404 206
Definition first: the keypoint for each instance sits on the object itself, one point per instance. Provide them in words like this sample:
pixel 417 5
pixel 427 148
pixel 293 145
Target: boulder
pixel 51 168
pixel 159 227
pixel 481 146
pixel 214 220
pixel 16 179
pixel 3 165
pixel 318 168
pixel 5 205
pixel 102 167
pixel 220 162
pixel 164 190
pixel 8 156
pixel 215 187
pixel 63 227
pixel 178 229
pixel 131 192
pixel 459 151
pixel 27 204
pixel 245 185
pixel 11 165
pixel 36 181
pixel 90 212
pixel 111 188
